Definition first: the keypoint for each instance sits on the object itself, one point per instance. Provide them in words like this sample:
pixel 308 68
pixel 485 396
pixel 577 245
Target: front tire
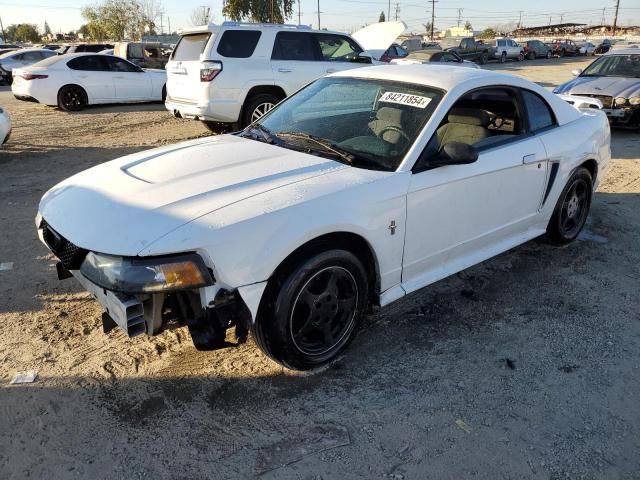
pixel 503 57
pixel 312 313
pixel 572 209
pixel 72 98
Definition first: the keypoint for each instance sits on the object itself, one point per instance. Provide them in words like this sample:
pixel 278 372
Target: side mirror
pixel 576 72
pixel 363 58
pixel 455 153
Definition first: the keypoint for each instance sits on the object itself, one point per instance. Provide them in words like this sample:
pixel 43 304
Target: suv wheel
pixel 483 58
pixel 257 106
pixel 312 314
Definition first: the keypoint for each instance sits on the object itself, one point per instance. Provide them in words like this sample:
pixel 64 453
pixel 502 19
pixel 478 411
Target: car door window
pixel 337 48
pixel 295 46
pixel 483 118
pixel 19 57
pixel 501 43
pixel 539 115
pixel 92 63
pixel 115 64
pixel 238 43
pixel 448 57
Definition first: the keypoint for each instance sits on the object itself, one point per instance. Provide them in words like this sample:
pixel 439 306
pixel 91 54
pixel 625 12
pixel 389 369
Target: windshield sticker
pixel 405 99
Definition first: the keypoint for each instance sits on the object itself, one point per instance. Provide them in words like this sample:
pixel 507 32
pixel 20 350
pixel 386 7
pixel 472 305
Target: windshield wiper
pixel 265 134
pixel 326 144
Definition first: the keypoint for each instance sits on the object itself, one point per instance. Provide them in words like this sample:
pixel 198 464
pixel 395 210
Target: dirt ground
pixel 523 367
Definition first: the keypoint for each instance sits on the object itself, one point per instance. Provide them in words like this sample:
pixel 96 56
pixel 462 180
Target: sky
pixel 349 15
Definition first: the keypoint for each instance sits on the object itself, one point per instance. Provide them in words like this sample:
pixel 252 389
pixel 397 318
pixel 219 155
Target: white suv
pixel 507 48
pixel 232 74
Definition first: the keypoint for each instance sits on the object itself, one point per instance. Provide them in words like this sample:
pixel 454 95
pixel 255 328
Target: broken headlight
pixel 146 275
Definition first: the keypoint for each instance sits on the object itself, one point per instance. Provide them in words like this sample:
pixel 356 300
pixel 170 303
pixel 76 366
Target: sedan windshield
pixel 614 66
pixel 361 122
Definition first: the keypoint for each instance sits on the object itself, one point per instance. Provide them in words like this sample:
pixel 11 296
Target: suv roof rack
pixel 277 25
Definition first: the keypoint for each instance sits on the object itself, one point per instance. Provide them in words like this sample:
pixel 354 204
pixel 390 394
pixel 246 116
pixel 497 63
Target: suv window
pixel 337 48
pixel 92 63
pixel 294 46
pixel 238 43
pixel 135 50
pixel 190 47
pixel 115 64
pixel 538 112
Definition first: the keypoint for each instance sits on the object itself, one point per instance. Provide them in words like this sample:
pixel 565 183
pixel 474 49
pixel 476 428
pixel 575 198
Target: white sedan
pixel 74 81
pixel 361 188
pixel 5 126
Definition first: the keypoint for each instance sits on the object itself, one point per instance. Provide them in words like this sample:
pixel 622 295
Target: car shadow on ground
pixel 474 361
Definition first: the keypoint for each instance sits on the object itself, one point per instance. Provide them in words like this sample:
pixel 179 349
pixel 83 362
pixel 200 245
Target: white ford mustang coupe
pixel 364 186
pixel 74 81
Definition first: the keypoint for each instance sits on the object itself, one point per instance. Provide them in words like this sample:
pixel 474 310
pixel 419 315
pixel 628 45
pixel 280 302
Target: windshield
pixel 614 66
pixel 190 47
pixel 361 122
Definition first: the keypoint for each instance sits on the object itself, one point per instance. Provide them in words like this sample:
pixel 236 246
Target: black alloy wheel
pixel 572 209
pixel 72 98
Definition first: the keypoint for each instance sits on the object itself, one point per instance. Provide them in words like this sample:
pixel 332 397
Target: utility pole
pixel 271 19
pixel 603 19
pixel 4 39
pixel 397 10
pixel 205 11
pixel 615 19
pixel 299 13
pixel 389 12
pixel 520 20
pixel 169 23
pixel 561 17
pixel 433 15
pixel 319 14
pixel 459 15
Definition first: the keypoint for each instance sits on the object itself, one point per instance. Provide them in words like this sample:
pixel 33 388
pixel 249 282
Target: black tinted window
pixel 116 64
pixel 539 114
pixel 190 47
pixel 295 46
pixel 238 43
pixel 92 63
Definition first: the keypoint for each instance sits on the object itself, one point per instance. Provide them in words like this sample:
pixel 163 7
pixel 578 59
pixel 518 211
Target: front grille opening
pixel 69 254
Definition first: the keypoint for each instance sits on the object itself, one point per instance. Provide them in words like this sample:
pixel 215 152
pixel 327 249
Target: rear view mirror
pixel 363 58
pixel 455 153
pixel 576 72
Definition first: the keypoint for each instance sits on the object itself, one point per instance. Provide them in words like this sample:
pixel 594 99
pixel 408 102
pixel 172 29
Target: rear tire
pixel 308 316
pixel 563 53
pixel 572 208
pixel 532 55
pixel 549 54
pixel 256 106
pixel 503 57
pixel 72 98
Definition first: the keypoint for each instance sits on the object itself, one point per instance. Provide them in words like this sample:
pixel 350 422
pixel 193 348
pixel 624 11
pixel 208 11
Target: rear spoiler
pixel 582 102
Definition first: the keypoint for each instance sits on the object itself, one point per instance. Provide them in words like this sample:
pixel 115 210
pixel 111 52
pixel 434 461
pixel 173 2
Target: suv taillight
pixel 210 70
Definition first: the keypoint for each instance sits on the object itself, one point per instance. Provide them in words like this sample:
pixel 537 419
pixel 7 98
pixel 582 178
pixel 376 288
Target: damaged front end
pixel 147 294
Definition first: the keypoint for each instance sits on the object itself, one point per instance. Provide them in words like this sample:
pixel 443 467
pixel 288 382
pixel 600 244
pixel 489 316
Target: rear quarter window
pixel 190 47
pixel 539 114
pixel 238 43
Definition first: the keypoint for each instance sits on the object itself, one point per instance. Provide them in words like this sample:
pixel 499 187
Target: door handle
pixel 331 70
pixel 284 70
pixel 531 158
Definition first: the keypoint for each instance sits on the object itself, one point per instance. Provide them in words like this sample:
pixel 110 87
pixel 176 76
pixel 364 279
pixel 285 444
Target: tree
pixel 47 30
pixel 264 11
pixel 382 17
pixel 22 32
pixel 120 19
pixel 488 33
pixel 468 26
pixel 199 16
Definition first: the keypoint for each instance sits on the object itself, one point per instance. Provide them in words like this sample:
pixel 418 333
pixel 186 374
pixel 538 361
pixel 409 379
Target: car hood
pixel 376 38
pixel 122 206
pixel 610 86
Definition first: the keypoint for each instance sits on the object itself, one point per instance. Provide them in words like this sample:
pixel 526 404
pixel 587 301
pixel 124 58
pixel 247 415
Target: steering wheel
pixel 393 128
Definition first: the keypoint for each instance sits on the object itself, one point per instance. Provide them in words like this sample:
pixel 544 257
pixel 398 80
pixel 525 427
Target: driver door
pixel 459 215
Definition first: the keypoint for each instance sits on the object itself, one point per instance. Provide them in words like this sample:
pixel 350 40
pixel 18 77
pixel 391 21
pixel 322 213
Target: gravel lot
pixel 526 366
